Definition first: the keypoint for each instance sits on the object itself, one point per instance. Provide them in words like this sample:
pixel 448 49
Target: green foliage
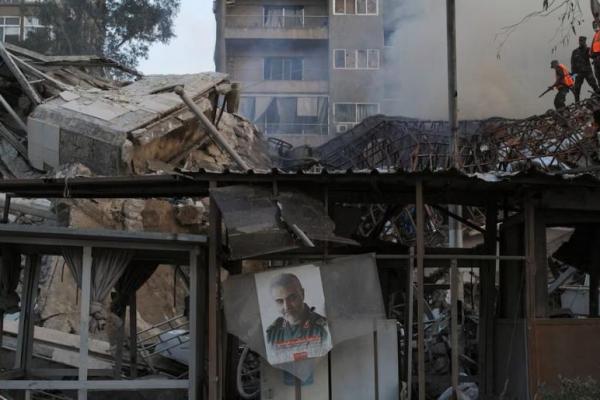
pixel 570 389
pixel 120 29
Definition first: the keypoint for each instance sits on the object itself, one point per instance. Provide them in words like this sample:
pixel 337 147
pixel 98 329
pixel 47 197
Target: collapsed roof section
pixel 76 112
pixel 131 129
pixel 552 142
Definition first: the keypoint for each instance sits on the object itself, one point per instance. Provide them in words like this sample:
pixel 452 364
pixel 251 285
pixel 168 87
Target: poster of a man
pixel 292 309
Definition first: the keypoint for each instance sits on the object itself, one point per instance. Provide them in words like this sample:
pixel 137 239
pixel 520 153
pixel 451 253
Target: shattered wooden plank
pixel 27 88
pixel 39 74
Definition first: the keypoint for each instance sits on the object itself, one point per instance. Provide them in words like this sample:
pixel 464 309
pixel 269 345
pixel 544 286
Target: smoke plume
pixel 488 86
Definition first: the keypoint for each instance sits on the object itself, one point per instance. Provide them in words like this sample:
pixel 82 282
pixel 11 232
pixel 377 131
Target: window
pixel 339 56
pixel 247 106
pixel 355 7
pixel 283 69
pixel 345 113
pixel 10 29
pixel 373 59
pixel 283 17
pixel 356 59
pixel 361 59
pixel 283 115
pixel 354 112
pixel 388 35
pixel 372 7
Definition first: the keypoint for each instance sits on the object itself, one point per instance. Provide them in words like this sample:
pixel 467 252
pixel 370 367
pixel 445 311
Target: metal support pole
pixel 530 272
pixel 6 212
pixel 454 326
pixel 212 131
pixel 487 301
pixel 420 289
pixel 455 230
pixel 410 322
pixel 1 327
pixel 84 321
pixel 197 324
pixel 26 323
pixel 452 85
pixel 119 350
pixel 213 297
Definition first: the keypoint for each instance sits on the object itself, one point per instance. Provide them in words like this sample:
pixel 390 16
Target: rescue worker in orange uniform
pixel 564 82
pixel 595 50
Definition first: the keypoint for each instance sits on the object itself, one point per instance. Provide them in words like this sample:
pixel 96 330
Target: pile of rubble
pixel 85 116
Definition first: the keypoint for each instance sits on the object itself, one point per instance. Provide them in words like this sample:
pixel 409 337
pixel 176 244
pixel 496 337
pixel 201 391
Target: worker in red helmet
pixel 564 82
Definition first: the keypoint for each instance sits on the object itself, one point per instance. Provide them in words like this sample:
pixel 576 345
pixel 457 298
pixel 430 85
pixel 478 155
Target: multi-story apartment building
pixel 308 69
pixel 17 19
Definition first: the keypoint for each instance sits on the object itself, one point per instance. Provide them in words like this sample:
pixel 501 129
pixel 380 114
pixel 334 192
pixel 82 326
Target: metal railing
pixel 154 341
pixel 276 22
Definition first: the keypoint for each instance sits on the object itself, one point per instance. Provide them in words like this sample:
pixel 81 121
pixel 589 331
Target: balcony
pixel 276 27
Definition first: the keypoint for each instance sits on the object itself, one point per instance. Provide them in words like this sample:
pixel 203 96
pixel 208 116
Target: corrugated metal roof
pixel 188 183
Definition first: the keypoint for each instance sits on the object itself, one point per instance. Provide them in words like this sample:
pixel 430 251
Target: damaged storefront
pixel 379 318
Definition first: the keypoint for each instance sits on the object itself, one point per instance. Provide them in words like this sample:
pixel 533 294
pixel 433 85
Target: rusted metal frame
pixel 459 218
pixel 420 288
pixel 389 213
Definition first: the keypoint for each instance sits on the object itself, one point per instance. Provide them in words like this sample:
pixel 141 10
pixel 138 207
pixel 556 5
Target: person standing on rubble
pixel 595 50
pixel 564 82
pixel 581 66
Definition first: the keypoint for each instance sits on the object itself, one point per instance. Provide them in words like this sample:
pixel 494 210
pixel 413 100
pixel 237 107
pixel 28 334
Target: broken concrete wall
pixel 120 131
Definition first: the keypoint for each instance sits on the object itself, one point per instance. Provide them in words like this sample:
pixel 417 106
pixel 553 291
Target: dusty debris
pixel 76 112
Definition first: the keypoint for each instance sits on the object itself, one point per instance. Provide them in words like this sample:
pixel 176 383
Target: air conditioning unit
pixel 341 128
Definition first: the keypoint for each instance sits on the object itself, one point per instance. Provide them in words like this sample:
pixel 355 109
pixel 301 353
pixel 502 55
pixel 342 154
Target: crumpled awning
pixel 259 222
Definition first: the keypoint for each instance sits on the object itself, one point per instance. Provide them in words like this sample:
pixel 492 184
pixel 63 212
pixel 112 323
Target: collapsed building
pixel 151 201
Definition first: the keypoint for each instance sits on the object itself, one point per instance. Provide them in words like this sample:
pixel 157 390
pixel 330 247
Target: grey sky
pixel 192 49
